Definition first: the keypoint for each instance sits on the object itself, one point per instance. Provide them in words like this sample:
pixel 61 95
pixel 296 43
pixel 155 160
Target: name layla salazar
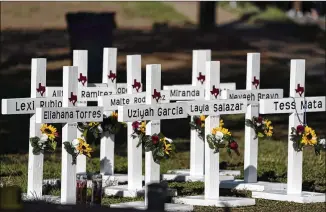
pixel 150 112
pixel 217 107
pixel 72 114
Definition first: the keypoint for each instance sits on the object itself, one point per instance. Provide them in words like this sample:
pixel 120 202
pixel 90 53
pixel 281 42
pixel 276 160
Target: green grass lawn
pixel 272 166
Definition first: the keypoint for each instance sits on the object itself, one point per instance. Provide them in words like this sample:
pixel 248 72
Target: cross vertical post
pixel 69 133
pixel 107 140
pixel 294 174
pixel 35 162
pixel 80 61
pixel 251 143
pixel 135 176
pixel 196 143
pixel 153 83
pixel 212 175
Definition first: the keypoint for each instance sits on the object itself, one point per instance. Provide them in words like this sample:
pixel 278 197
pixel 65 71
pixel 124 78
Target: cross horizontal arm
pixel 69 114
pixel 253 96
pixel 152 112
pixel 292 105
pixel 112 102
pixel 28 105
pixel 217 107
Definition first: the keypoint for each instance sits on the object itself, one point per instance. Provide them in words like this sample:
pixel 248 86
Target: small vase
pixel 96 190
pixel 81 189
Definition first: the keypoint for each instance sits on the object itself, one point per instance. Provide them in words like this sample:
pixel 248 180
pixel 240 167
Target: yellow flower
pixel 84 148
pixel 202 125
pixel 202 118
pixel 221 129
pixel 143 127
pixel 167 147
pixel 114 115
pixel 221 123
pixel 50 131
pixel 268 133
pixel 267 123
pixel 309 136
pixel 92 124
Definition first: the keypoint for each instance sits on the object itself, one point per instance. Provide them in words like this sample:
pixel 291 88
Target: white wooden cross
pixel 297 105
pixel 195 91
pixel 252 94
pixel 89 92
pixel 153 111
pixel 135 96
pixel 69 115
pixel 28 106
pixel 213 106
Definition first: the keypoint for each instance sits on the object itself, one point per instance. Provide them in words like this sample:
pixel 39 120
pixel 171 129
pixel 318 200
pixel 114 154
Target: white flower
pixel 168 139
pixel 258 124
pixel 43 138
pixel 75 142
pixel 322 142
pixel 219 135
pixel 99 127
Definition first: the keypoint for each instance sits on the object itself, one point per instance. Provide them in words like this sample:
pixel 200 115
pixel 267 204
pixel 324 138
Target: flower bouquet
pixel 160 145
pixel 110 124
pixel 303 136
pixel 77 147
pixel 262 127
pixel 222 138
pixel 198 124
pixel 46 142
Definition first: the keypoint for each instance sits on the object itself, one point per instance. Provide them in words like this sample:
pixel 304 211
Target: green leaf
pixel 261 135
pixel 160 152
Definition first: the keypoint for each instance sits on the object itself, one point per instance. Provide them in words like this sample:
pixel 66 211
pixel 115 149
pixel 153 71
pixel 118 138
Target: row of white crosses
pixel 34 107
pixel 196 91
pixel 182 110
pixel 297 105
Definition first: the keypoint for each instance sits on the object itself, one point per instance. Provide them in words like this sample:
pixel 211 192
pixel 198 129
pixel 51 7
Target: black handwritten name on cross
pixel 215 91
pixel 82 79
pixel 299 90
pixel 201 78
pixel 136 85
pixel 40 89
pixel 112 76
pixel 255 82
pixel 156 95
pixel 73 98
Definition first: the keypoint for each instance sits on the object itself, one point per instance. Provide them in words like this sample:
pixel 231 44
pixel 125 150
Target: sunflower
pixel 221 129
pixel 309 136
pixel 50 131
pixel 202 118
pixel 166 147
pixel 114 115
pixel 84 148
pixel 143 127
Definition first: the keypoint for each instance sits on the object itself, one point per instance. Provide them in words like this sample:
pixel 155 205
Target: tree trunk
pixel 207 14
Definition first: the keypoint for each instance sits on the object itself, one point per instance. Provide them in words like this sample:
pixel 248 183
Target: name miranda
pixel 151 112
